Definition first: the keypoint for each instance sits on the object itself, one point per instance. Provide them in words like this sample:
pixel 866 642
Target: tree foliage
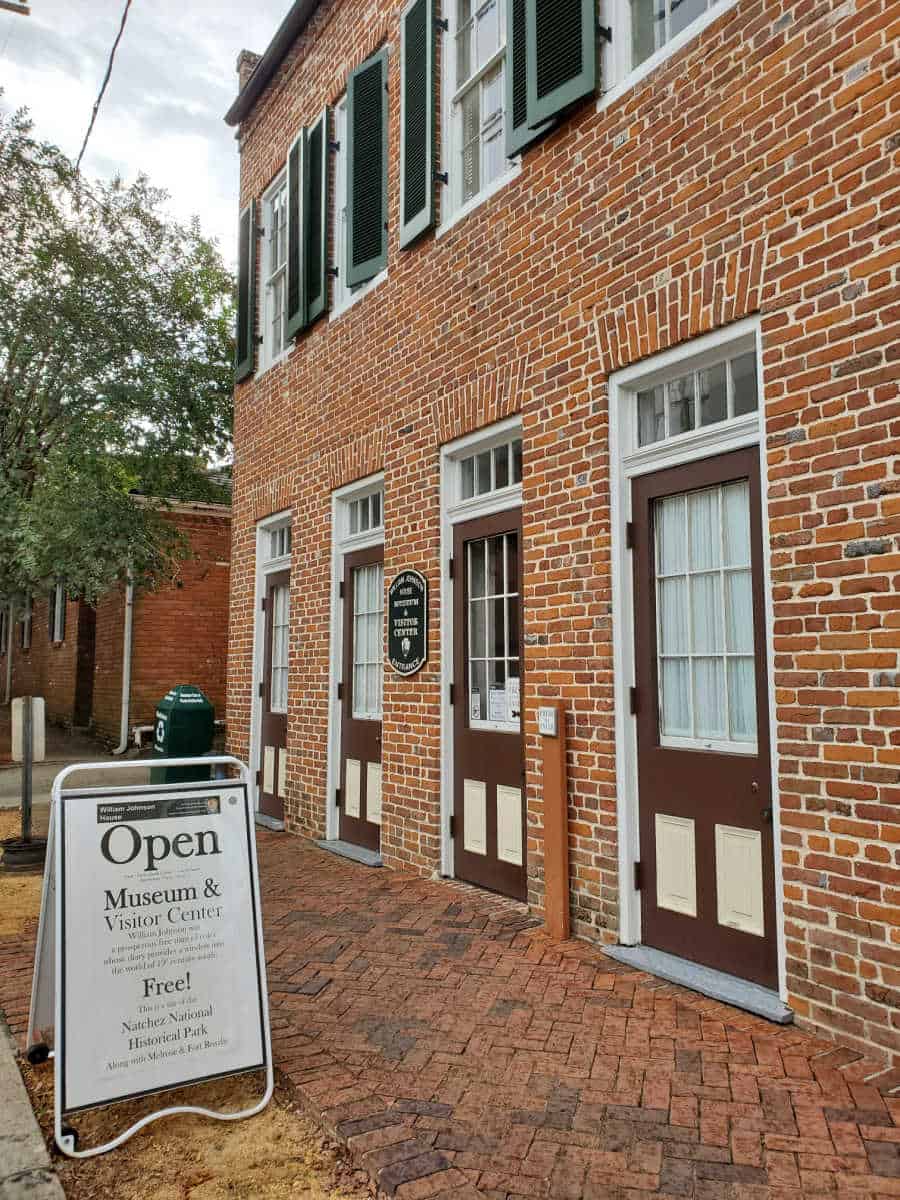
pixel 116 361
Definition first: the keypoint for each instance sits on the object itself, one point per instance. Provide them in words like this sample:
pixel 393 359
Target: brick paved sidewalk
pixel 459 1053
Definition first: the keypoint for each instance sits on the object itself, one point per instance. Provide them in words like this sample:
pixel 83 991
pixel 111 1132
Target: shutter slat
pixel 367 170
pixel 519 134
pixel 316 218
pixel 245 347
pixel 562 55
pixel 296 252
pixel 417 120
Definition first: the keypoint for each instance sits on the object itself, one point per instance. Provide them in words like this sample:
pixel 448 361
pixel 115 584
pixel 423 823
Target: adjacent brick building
pixel 600 339
pixel 179 636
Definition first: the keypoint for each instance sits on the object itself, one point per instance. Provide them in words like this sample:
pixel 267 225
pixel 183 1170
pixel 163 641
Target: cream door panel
pixel 351 786
pixel 509 824
pixel 373 793
pixel 269 770
pixel 676 865
pixel 475 816
pixel 739 879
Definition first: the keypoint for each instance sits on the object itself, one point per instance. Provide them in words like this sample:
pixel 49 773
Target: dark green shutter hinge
pixel 334 147
pixel 629 535
pixel 340 691
pixel 638 877
pixel 452 695
pixel 605 32
pixel 337 798
pixel 452 826
pixel 633 701
pixel 442 23
pixel 442 177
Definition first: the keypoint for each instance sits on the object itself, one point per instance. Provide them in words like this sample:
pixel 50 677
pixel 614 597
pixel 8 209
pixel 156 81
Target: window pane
pixel 681 405
pixel 501 466
pixel 703 522
pixel 742 699
pixel 517 461
pixel 483 467
pixel 476 568
pixel 471 122
pixel 512 562
pixel 736 503
pixel 468 478
pixel 376 510
pixel 673 617
pixel 477 644
pixel 706 614
pixel 494 154
pixel 354 517
pixel 675 704
pixel 512 626
pixel 495 566
pixel 463 42
pixel 487 36
pixel 477 692
pixel 497 627
pixel 651 416
pixel 739 611
pixel 743 382
pixel 713 395
pixel 671 536
pixel 683 12
pixel 647 29
pixel 709 698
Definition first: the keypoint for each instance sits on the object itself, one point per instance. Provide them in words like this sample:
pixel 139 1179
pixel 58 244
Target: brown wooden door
pixel 361 690
pixel 489 770
pixel 707 854
pixel 273 742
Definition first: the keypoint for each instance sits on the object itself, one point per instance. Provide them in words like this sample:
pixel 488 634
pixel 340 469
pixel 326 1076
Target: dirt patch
pixel 10 823
pixel 20 895
pixel 278 1155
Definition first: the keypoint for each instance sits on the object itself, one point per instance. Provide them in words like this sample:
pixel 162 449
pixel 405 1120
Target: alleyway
pixel 461 1054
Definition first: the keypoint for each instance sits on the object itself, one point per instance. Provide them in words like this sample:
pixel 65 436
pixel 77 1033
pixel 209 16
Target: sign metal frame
pixel 65 1137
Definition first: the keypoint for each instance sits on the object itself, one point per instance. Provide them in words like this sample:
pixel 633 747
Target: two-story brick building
pixel 588 314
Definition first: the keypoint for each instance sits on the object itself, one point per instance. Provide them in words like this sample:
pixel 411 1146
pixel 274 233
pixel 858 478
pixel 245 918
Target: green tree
pixel 116 369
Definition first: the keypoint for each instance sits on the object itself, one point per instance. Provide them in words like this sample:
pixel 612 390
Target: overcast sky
pixel 172 82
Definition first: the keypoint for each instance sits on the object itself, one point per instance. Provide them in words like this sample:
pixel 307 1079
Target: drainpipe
pixel 126 667
pixel 9 652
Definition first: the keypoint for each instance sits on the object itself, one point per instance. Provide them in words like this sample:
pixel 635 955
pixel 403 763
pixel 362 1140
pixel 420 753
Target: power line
pixel 109 67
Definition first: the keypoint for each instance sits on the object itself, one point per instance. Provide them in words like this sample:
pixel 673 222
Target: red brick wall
pixel 180 631
pixel 47 669
pixel 750 174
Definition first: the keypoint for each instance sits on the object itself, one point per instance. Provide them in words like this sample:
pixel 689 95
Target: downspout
pixel 126 667
pixel 9 652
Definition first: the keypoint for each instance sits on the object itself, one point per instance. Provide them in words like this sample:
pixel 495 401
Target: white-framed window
pixel 274 272
pixel 475 100
pixel 56 613
pixel 365 514
pixel 342 296
pixel 493 603
pixel 491 470
pixel 698 398
pixel 279 542
pixel 281 628
pixel 368 641
pixel 645 33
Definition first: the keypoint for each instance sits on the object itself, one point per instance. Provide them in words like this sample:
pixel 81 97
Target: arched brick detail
pixel 355 459
pixel 490 397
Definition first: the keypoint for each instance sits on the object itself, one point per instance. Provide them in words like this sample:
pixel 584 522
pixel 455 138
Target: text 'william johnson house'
pixel 568 339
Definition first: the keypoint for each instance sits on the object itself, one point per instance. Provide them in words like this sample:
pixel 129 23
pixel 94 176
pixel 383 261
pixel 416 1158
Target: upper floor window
pixel 56 613
pixel 490 470
pixel 274 272
pixel 698 398
pixel 646 31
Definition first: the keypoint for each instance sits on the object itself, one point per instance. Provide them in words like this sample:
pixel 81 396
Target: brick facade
pixel 749 175
pixel 179 636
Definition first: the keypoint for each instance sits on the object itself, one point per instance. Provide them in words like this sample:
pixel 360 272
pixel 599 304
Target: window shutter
pixel 562 55
pixel 519 134
pixel 296 257
pixel 61 629
pixel 315 218
pixel 245 340
pixel 416 120
pixel 367 150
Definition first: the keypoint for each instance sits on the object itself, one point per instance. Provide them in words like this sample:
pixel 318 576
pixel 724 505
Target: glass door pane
pixel 493 631
pixel 368 641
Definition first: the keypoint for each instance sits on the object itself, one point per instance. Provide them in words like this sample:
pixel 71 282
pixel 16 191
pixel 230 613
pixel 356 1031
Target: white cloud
pixel 172 82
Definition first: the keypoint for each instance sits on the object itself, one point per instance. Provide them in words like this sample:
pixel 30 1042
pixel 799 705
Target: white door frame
pixel 265 567
pixel 342 543
pixel 455 510
pixel 626 463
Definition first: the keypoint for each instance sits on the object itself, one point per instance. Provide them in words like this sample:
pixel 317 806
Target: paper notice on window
pixel 475 706
pixel 513 698
pixel 497 708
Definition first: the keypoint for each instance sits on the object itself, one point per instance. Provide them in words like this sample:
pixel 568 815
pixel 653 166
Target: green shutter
pixel 367 152
pixel 562 55
pixel 519 134
pixel 245 339
pixel 416 120
pixel 315 218
pixel 296 256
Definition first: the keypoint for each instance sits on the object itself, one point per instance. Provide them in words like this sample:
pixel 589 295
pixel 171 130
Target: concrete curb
pixel 25 1170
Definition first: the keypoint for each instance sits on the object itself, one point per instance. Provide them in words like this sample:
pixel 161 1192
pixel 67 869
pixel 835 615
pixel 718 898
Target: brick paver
pixel 460 1053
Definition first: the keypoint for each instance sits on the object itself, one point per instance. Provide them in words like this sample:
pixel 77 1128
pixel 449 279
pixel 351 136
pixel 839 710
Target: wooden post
pixel 556 828
pixel 27 761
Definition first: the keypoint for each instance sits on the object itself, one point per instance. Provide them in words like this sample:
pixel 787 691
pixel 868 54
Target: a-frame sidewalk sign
pixel 149 970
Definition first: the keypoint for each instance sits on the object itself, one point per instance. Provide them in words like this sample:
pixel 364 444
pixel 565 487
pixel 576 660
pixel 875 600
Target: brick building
pixel 587 317
pixel 72 653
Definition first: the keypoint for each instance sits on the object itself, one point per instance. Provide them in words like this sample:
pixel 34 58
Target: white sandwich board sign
pixel 158 969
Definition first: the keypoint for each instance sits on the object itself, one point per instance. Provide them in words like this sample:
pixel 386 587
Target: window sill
pixel 276 361
pixel 359 294
pixel 649 65
pixel 476 202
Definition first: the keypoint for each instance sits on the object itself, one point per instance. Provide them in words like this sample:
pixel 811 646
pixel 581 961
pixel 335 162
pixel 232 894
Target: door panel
pixel 362 682
pixel 273 751
pixel 707 848
pixel 489 789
